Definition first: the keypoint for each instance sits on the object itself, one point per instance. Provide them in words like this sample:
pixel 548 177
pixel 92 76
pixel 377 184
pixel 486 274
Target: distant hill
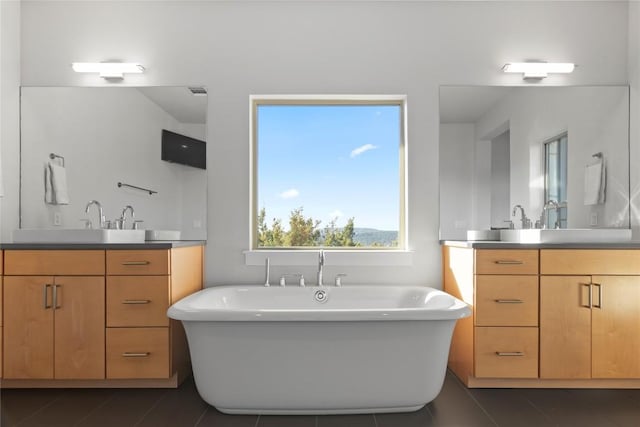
pixel 369 236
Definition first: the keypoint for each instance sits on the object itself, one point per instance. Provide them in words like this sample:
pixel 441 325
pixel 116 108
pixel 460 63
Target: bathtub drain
pixel 320 296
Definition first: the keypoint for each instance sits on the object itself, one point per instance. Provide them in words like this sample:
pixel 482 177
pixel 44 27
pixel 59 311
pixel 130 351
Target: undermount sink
pixel 85 235
pixel 567 235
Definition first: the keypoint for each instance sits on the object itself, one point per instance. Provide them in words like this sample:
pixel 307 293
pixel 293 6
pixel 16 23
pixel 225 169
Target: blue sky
pixel 333 160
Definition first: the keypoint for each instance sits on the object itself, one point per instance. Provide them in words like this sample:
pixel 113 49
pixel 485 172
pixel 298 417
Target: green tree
pixel 302 231
pixel 274 236
pixel 334 236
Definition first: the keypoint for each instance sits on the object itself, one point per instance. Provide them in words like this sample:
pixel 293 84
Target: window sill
pixel 331 257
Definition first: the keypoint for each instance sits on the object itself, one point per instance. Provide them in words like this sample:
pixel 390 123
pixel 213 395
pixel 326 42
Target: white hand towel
pixel 593 185
pixel 48 194
pixel 59 184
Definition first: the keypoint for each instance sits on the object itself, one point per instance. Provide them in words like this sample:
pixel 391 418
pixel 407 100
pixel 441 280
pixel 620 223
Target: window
pixel 328 172
pixel 555 179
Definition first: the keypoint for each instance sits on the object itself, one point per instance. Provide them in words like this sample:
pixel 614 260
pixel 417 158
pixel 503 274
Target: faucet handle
pixel 136 224
pixel 87 223
pixel 510 224
pixel 338 280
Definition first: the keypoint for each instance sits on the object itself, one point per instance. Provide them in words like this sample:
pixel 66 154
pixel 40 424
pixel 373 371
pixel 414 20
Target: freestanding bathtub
pixel 311 350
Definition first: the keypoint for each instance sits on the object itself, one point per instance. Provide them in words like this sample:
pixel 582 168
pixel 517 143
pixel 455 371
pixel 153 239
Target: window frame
pixel 545 153
pixel 257 100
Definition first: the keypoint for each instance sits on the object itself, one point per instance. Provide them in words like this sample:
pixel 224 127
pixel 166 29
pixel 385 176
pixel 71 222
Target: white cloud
pixel 363 148
pixel 336 214
pixel 290 194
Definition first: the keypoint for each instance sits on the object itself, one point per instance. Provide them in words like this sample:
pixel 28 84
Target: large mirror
pixel 503 147
pixel 121 146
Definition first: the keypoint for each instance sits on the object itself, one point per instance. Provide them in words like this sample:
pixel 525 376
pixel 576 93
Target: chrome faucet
pixel 550 204
pixel 320 266
pixel 100 215
pixel 124 212
pixel 526 222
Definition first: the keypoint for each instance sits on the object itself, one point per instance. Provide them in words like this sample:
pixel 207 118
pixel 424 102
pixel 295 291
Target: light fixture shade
pixel 538 70
pixel 108 70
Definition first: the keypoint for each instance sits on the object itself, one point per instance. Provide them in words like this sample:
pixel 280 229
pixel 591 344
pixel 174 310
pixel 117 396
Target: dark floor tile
pixel 287 421
pixel 18 404
pixel 181 407
pixel 126 408
pixel 454 406
pixel 620 407
pixel 421 418
pixel 565 409
pixel 215 418
pixel 72 406
pixel 345 421
pixel 509 407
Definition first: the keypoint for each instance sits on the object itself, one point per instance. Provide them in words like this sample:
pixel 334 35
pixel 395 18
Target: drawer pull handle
pixel 136 301
pixel 127 354
pixel 509 262
pixel 509 301
pixel 136 263
pixel 599 286
pixel 45 293
pixel 510 353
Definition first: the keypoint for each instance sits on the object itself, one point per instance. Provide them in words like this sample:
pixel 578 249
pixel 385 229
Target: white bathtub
pixel 273 350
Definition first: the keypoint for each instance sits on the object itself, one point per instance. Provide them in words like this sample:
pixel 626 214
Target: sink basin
pixel 64 235
pixel 567 235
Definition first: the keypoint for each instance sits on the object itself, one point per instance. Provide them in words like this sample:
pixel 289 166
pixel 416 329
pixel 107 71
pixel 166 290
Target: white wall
pixel 9 115
pixel 596 119
pixel 456 182
pixel 242 48
pixel 500 180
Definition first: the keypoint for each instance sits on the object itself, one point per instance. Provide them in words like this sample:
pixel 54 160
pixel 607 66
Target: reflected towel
pixel 595 182
pixel 55 185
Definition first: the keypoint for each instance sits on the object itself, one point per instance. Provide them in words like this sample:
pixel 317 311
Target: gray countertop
pixel 489 244
pixel 156 244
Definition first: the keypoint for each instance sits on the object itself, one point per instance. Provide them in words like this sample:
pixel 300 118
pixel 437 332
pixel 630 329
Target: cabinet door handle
pixel 509 301
pixel 136 262
pixel 55 297
pixel 129 354
pixel 590 294
pixel 510 353
pixel 599 305
pixel 508 262
pixel 45 296
pixel 136 301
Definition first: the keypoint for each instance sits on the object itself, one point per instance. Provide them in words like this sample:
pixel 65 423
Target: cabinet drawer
pixel 138 262
pixel 506 352
pixel 137 300
pixel 590 261
pixel 138 353
pixel 506 261
pixel 503 300
pixel 54 263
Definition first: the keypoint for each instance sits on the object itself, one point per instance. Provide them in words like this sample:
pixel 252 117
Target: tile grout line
pixel 257 420
pixel 95 409
pixel 37 411
pixel 199 420
pixel 466 390
pixel 375 420
pixel 148 411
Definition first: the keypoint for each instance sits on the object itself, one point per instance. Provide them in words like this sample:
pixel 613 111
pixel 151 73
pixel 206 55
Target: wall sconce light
pixel 538 70
pixel 108 70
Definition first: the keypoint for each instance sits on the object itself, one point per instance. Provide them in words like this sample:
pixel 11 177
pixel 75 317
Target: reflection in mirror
pixel 495 172
pixel 110 142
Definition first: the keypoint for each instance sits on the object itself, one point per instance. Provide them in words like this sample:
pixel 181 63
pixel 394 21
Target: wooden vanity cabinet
pixel 54 324
pixel 589 323
pixel 142 342
pixel 500 339
pixel 1 315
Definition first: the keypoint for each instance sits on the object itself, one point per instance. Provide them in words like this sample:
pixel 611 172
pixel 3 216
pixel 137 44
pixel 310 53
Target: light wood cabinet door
pixel 79 328
pixel 28 327
pixel 565 327
pixel 615 327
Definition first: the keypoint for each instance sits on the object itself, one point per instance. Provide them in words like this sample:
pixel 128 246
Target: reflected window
pixel 555 178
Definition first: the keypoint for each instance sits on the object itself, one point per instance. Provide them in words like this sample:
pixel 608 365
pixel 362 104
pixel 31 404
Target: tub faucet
pixel 100 215
pixel 526 222
pixel 320 266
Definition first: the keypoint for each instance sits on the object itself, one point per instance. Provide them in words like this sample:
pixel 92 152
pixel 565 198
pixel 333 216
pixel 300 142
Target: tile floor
pixel 456 406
